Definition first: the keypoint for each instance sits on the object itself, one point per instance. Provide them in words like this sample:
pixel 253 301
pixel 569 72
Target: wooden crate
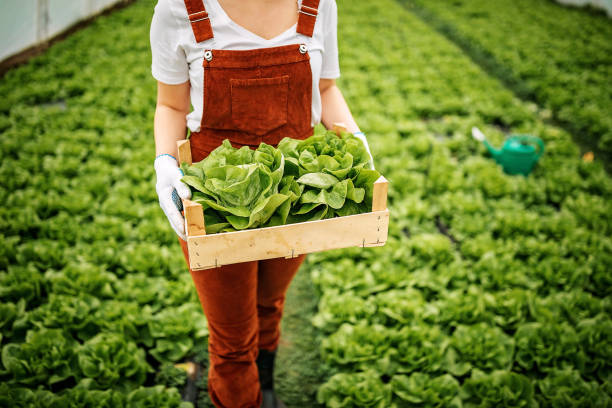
pixel 288 241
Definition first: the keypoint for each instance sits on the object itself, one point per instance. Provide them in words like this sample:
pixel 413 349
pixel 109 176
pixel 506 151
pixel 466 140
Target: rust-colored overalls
pixel 252 96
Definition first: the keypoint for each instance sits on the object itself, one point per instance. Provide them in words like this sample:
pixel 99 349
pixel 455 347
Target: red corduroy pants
pixel 243 304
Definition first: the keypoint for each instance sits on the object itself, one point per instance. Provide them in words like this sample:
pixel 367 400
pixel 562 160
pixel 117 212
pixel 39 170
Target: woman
pixel 254 71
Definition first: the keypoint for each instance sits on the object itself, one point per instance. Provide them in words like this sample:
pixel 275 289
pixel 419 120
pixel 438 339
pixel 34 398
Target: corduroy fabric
pixel 256 95
pixel 243 304
pixel 200 23
pixel 307 17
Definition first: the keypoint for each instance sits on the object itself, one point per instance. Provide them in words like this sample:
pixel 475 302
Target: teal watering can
pixel 519 153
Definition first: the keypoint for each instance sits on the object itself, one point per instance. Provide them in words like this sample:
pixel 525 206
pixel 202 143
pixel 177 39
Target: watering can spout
pixel 496 153
pixel 478 135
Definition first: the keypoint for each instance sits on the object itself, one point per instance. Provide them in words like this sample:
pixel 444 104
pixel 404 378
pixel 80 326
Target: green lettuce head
pixel 238 188
pixel 302 180
pixel 334 175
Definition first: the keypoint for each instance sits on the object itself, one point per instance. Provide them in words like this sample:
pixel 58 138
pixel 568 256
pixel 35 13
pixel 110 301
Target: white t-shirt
pixel 177 57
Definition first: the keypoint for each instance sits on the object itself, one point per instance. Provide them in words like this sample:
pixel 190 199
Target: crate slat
pixel 360 230
pixel 184 151
pixel 194 218
pixel 379 195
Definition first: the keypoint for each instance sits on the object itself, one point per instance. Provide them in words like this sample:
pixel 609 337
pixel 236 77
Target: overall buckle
pixel 193 17
pixel 309 11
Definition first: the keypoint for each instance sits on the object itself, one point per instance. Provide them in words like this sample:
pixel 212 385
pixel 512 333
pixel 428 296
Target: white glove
pixel 361 136
pixel 168 179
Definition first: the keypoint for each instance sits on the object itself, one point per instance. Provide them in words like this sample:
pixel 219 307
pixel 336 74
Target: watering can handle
pixel 533 139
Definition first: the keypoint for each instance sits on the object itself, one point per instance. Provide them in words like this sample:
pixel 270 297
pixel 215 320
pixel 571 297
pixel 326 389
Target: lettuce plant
pixel 399 306
pixel 480 346
pixel 498 389
pixel 47 356
pixel 73 314
pixel 354 344
pixel 566 388
pixel 432 248
pixel 336 308
pixel 574 306
pixel 111 361
pixel 240 185
pixel 595 337
pixel 11 396
pixel 344 273
pixel 127 318
pixel 421 390
pixel 170 375
pixel 510 307
pixel 543 346
pixel 157 396
pixel 421 348
pixel 353 390
pixel 78 277
pixel 86 393
pixel 22 282
pixel 175 330
pixel 154 291
pixel 466 306
pixel 10 313
pixel 334 175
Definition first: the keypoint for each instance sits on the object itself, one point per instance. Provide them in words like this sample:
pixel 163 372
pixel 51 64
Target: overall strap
pixel 200 23
pixel 307 17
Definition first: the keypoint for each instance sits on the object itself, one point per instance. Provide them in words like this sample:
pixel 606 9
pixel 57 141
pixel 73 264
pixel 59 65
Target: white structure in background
pixel 600 4
pixel 25 23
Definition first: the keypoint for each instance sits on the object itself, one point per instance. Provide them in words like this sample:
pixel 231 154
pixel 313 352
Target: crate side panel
pixel 288 240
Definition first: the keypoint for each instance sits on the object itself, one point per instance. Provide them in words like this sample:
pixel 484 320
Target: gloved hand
pixel 168 182
pixel 361 136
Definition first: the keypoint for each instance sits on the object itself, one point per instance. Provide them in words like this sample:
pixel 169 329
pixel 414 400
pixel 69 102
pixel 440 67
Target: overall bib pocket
pixel 254 96
pixel 259 105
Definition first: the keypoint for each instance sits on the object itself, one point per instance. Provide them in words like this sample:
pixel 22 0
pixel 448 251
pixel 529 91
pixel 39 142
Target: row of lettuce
pixel 560 57
pixel 492 290
pixel 96 306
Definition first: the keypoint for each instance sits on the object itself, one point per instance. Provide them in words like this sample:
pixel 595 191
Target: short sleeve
pixel 169 63
pixel 330 67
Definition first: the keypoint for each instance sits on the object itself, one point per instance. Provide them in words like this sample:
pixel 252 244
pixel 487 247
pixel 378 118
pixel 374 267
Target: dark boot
pixel 265 366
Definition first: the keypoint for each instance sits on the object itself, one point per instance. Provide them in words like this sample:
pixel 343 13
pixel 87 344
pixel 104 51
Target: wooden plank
pixel 379 195
pixel 363 230
pixel 339 128
pixel 194 218
pixel 184 151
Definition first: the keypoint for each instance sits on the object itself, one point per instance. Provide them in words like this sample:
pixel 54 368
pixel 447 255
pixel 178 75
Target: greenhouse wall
pixel 600 4
pixel 26 23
